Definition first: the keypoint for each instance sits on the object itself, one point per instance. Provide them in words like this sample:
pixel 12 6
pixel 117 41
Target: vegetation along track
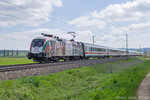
pixel 12 72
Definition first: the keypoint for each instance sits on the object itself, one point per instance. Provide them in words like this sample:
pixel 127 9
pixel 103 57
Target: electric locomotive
pixel 53 48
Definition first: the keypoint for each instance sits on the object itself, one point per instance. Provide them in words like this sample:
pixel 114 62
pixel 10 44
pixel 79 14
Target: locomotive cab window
pixel 37 42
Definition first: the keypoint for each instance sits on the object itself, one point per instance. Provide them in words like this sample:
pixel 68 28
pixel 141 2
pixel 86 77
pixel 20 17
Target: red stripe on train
pixel 99 53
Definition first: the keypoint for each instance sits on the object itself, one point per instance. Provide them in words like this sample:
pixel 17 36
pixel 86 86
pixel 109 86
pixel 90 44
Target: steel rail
pixel 35 65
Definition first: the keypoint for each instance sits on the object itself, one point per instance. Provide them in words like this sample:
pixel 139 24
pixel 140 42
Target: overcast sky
pixel 107 20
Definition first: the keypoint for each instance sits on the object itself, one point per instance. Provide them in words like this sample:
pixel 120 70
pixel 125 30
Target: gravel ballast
pixel 43 69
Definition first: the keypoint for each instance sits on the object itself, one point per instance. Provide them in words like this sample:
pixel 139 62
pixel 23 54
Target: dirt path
pixel 143 92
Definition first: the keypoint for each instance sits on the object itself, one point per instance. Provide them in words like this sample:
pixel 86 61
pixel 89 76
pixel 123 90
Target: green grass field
pixel 108 81
pixel 13 61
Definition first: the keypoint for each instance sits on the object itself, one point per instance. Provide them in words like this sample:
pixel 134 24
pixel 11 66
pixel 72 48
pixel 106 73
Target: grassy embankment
pixel 107 81
pixel 13 61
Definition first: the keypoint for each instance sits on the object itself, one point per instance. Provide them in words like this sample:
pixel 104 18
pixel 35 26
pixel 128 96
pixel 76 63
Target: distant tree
pixel 138 50
pixel 17 52
pixel 8 53
pixel 145 53
pixel 12 53
pixel 4 52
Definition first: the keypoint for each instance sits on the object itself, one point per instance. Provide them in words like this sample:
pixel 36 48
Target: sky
pixel 107 20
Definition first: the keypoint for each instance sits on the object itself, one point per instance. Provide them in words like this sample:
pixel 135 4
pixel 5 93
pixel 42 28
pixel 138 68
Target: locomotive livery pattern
pixel 52 48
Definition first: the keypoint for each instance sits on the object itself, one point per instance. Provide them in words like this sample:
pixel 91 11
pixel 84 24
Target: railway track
pixel 70 63
pixel 18 71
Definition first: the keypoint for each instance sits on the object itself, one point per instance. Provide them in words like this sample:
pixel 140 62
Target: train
pixel 52 48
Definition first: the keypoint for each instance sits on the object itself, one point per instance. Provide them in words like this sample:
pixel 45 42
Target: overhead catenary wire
pixel 13 4
pixel 63 22
pixel 8 15
pixel 107 39
pixel 58 23
pixel 11 16
pixel 99 38
pixel 23 9
pixel 119 37
pixel 56 11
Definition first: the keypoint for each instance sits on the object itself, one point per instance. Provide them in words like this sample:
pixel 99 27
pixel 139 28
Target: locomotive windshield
pixel 37 42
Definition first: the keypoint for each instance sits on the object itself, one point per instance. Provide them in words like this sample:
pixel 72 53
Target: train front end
pixel 36 50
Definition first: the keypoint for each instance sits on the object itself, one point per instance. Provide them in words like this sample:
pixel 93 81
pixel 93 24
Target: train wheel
pixel 42 62
pixel 67 59
pixel 76 58
pixel 71 58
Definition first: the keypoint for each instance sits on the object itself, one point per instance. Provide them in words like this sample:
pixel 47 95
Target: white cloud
pixel 111 41
pixel 22 40
pixel 26 12
pixel 118 30
pixel 132 17
pixel 85 22
pixel 130 11
pixel 84 36
pixel 136 10
pixel 140 28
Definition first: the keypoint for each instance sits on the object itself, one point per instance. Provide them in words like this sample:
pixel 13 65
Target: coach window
pixel 96 49
pixel 103 50
pixel 85 48
pixel 111 50
pixel 114 50
pixel 89 48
